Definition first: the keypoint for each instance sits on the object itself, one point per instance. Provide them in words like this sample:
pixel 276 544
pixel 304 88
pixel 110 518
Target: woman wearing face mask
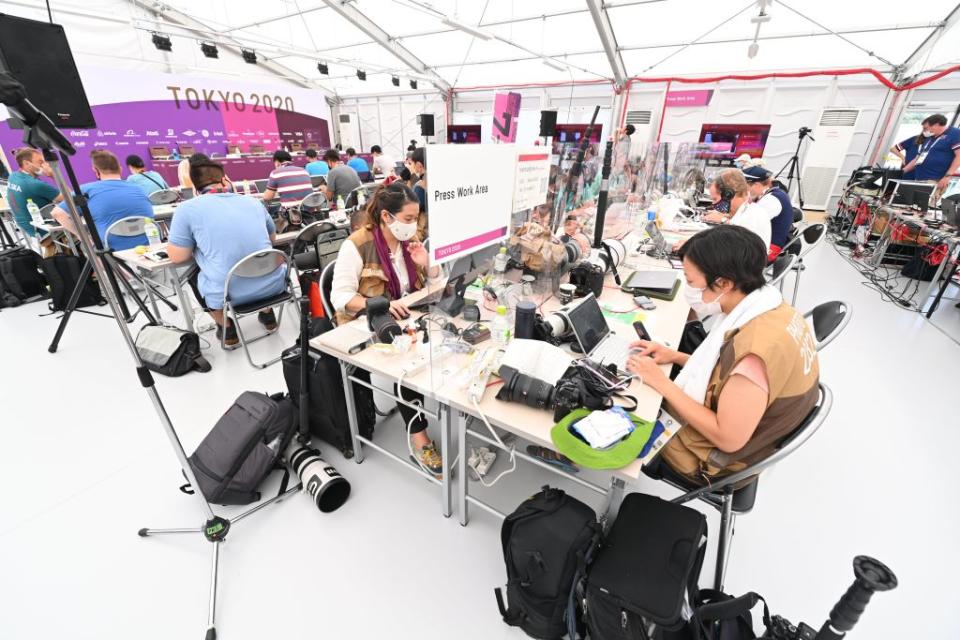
pixel 382 258
pixel 751 381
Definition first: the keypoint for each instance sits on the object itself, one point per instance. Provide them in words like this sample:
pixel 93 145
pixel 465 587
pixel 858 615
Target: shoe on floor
pixel 268 319
pixel 430 458
pixel 551 457
pixel 232 339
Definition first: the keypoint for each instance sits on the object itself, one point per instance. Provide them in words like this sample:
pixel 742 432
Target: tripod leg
pixel 71 305
pixel 211 615
pixel 143 533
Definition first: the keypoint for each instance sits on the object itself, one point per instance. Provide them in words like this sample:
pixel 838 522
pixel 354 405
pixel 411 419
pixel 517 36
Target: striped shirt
pixel 290 182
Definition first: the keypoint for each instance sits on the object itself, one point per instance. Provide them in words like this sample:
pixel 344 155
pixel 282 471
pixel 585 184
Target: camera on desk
pixel 379 320
pixel 567 394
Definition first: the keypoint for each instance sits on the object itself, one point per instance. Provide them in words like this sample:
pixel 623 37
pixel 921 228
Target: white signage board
pixel 469 197
pixel 533 178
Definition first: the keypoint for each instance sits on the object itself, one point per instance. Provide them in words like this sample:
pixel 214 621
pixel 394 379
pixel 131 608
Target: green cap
pixel 502 310
pixel 615 456
pixel 503 249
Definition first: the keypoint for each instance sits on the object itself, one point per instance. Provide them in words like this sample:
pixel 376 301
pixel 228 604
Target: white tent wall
pixel 391 121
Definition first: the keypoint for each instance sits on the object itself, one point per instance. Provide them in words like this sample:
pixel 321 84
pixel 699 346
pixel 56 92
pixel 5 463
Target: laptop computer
pixel 593 334
pixel 317 181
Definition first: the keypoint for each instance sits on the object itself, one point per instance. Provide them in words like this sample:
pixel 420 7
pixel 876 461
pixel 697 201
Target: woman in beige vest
pixel 753 379
pixel 384 258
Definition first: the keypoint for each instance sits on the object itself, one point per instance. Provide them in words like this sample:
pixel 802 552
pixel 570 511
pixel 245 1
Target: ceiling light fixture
pixel 162 42
pixel 323 68
pixel 395 80
pixel 466 28
pixel 209 50
pixel 758 20
pixel 554 65
pixel 413 84
pixel 249 56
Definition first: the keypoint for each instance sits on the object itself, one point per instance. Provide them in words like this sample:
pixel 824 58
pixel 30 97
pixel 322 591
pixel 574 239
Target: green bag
pixel 615 456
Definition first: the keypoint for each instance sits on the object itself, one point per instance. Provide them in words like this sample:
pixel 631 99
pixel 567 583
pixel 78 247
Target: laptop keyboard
pixel 614 350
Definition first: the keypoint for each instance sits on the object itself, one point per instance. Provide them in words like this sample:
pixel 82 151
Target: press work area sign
pixel 469 197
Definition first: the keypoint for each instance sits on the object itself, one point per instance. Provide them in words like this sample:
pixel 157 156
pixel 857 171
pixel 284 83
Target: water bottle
pixel 152 233
pixel 34 211
pixel 500 263
pixel 361 199
pixel 500 329
pixel 340 203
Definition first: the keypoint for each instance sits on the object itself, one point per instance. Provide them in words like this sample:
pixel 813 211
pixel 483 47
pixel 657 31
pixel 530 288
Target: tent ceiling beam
pixel 293 14
pixel 190 23
pixel 385 40
pixel 931 40
pixel 601 21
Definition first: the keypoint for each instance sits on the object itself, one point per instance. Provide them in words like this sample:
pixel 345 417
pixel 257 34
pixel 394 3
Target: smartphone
pixel 644 303
pixel 641 330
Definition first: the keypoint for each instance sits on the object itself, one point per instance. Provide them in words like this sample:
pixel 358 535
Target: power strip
pixel 480 460
pixel 478 385
pixel 421 362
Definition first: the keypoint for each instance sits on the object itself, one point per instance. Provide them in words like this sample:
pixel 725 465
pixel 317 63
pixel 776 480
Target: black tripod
pixel 40 133
pixel 793 164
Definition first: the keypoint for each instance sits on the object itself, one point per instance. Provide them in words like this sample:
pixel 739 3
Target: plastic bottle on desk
pixel 34 211
pixel 153 234
pixel 361 199
pixel 340 203
pixel 500 327
pixel 500 263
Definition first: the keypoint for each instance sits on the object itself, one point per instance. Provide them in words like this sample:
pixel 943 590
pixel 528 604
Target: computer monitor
pixel 187 150
pixel 908 193
pixel 398 167
pixel 261 185
pixel 951 209
pixel 574 133
pixel 365 176
pixel 463 134
pixel 463 271
pixel 317 181
pixel 159 152
pixel 729 141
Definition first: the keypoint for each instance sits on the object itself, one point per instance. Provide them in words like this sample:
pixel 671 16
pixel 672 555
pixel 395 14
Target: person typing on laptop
pixel 754 378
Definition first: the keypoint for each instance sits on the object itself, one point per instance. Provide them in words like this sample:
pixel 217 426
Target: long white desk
pixel 666 324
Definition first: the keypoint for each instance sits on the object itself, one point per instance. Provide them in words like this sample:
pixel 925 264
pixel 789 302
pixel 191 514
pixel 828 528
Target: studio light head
pixel 395 80
pixel 162 42
pixel 323 68
pixel 249 56
pixel 361 74
pixel 209 50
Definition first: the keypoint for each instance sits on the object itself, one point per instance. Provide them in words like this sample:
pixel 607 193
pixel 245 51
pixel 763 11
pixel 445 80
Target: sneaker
pixel 232 339
pixel 267 319
pixel 430 458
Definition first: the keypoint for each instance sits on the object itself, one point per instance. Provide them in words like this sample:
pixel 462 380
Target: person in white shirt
pixel 733 187
pixel 383 165
pixel 382 258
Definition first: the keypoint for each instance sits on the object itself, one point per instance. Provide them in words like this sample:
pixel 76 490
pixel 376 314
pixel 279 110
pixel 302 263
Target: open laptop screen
pixel 588 324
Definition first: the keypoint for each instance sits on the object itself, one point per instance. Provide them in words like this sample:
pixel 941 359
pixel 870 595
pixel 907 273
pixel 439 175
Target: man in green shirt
pixel 25 185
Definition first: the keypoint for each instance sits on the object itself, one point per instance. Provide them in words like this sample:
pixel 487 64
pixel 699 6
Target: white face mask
pixel 402 231
pixel 928 134
pixel 694 298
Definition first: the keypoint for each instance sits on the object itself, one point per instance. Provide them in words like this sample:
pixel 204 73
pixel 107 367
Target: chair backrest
pixel 797 215
pixel 324 238
pixel 812 236
pixel 326 286
pixel 785 447
pixel 314 202
pixel 164 196
pixel 258 264
pixel 829 320
pixel 780 268
pixel 127 227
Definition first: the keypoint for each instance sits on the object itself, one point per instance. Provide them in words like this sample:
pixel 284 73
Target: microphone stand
pixel 40 133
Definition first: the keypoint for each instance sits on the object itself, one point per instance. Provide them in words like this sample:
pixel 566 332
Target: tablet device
pixel 658 279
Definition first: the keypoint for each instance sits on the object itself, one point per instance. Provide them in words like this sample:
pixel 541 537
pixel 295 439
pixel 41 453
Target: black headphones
pixel 726 193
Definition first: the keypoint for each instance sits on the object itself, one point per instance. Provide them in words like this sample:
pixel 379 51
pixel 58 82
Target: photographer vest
pixel 373 279
pixel 781 338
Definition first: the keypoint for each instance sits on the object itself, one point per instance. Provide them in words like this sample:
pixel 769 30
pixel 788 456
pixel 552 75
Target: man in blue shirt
pixel 149 181
pixel 355 162
pixel 25 185
pixel 938 158
pixel 217 229
pixel 315 166
pixel 109 199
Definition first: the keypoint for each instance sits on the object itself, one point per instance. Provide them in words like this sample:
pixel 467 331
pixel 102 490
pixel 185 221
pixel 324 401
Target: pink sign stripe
pixel 525 157
pixel 464 245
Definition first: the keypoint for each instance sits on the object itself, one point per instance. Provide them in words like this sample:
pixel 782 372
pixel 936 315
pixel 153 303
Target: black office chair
pixel 829 320
pixel 735 494
pixel 778 270
pixel 805 241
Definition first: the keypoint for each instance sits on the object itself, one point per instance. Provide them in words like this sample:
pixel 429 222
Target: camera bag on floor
pixel 243 448
pixel 647 565
pixel 170 352
pixel 719 616
pixel 62 273
pixel 545 540
pixel 327 401
pixel 20 277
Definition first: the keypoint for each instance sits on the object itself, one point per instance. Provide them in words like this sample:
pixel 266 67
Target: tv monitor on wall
pixel 573 133
pixel 463 134
pixel 728 141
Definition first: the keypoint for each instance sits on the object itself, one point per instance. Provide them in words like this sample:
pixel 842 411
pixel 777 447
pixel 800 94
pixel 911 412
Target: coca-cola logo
pixel 79 133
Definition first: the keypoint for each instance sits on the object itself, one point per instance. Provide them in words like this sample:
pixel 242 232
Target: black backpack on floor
pixel 646 567
pixel 328 404
pixel 62 273
pixel 20 277
pixel 245 445
pixel 545 541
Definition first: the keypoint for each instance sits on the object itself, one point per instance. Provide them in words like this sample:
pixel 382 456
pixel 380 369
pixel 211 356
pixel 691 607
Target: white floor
pixel 85 464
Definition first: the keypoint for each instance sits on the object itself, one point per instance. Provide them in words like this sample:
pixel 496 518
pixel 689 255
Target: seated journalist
pixel 753 379
pixel 382 258
pixel 218 228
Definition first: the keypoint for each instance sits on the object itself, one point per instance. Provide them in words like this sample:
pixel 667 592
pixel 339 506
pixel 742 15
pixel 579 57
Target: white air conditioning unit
pixel 643 136
pixel 349 127
pixel 825 154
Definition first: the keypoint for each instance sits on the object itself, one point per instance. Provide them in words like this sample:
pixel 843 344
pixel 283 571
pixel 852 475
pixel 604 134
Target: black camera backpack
pixel 20 277
pixel 545 541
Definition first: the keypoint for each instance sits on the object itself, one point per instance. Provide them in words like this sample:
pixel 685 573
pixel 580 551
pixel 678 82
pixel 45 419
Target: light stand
pixel 598 242
pixel 40 133
pixel 793 164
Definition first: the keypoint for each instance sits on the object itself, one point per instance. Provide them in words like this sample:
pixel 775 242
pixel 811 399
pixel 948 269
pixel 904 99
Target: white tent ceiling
pixel 654 37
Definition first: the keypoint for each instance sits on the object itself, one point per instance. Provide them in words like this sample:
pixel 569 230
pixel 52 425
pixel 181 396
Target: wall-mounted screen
pixel 463 134
pixel 728 141
pixel 573 133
